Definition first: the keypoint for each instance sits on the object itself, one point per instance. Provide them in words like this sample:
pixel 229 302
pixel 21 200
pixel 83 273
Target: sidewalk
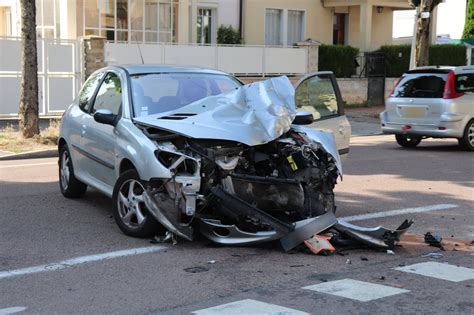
pixel 364 120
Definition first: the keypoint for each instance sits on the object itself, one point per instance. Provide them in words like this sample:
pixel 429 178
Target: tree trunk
pixel 422 48
pixel 28 113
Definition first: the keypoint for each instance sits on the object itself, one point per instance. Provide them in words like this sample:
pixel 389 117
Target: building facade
pixel 146 21
pixel 365 24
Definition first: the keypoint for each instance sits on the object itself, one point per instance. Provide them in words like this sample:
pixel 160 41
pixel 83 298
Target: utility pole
pixel 420 51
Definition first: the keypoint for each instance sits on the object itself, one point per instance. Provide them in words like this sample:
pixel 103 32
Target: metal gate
pixel 59 75
pixel 375 73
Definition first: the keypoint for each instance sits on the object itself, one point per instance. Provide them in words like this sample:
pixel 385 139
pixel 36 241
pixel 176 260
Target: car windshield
pixel 154 93
pixel 421 85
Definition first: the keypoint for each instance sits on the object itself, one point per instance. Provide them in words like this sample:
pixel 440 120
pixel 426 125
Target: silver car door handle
pixel 83 130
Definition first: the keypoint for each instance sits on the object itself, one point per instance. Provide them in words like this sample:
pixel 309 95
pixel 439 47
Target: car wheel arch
pixel 61 143
pixel 126 165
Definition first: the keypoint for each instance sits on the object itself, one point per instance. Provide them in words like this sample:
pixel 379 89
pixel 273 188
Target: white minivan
pixel 435 102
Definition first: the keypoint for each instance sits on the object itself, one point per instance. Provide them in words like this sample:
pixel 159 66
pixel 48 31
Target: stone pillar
pixel 93 54
pixel 193 21
pixel 183 21
pixel 365 26
pixel 312 52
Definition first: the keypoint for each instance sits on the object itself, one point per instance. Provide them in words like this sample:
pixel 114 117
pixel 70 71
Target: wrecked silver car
pixel 183 150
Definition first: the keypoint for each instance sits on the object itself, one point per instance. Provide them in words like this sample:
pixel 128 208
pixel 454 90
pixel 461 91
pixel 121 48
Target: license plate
pixel 412 112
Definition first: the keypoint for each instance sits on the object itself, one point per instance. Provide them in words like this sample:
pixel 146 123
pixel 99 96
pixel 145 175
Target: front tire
pixel 130 212
pixel 408 141
pixel 70 186
pixel 467 140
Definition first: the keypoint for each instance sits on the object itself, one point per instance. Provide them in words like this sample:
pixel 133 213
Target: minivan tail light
pixel 450 87
pixel 394 87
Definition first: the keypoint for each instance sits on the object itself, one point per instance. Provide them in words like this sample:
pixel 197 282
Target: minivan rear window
pixel 421 85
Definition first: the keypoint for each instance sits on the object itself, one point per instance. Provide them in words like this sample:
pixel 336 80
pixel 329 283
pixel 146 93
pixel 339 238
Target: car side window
pixel 88 91
pixel 109 95
pixel 465 82
pixel 317 96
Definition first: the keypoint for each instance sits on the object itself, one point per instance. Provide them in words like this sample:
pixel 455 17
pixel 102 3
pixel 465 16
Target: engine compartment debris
pixel 433 239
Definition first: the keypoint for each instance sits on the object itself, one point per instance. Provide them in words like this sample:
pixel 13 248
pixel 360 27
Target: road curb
pixel 30 155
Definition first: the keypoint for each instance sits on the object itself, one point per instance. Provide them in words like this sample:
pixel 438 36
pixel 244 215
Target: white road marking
pixel 78 260
pixel 393 213
pixel 356 290
pixel 440 271
pixel 12 310
pixel 28 164
pixel 249 307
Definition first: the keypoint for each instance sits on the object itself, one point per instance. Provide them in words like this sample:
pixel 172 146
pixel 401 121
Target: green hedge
pixel 398 57
pixel 448 55
pixel 338 59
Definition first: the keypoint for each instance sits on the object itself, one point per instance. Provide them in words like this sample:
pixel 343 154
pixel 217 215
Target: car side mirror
pixel 303 118
pixel 105 116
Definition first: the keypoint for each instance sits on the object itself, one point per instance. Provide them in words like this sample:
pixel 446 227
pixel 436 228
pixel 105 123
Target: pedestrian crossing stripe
pixel 356 290
pixel 249 307
pixel 441 271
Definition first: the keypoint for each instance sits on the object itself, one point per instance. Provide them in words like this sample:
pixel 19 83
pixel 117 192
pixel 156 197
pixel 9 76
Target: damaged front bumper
pixel 290 235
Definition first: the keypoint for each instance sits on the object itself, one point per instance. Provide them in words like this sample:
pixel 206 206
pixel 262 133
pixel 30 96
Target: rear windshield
pixel 421 85
pixel 465 82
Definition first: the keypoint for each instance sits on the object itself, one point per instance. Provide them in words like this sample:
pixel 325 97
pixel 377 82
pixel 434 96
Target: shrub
pixel 447 55
pixel 228 35
pixel 398 57
pixel 339 59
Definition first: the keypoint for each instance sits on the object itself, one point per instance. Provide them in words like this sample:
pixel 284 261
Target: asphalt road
pixel 41 229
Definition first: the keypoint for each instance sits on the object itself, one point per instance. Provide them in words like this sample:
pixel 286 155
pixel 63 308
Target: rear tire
pixel 408 141
pixel 70 186
pixel 130 212
pixel 467 140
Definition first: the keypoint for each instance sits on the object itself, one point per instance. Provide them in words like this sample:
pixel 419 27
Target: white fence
pixel 240 60
pixel 59 76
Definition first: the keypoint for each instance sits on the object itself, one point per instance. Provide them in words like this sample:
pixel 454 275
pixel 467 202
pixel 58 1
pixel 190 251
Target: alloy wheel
pixel 65 172
pixel 470 134
pixel 130 203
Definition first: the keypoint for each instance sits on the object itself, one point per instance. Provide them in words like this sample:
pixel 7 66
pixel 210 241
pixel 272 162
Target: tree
pixel 423 21
pixel 469 23
pixel 28 112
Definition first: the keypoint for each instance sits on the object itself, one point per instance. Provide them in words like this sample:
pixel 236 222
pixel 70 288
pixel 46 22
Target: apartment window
pixel 205 26
pixel 295 27
pixel 273 29
pixel 128 20
pixel 283 27
pixel 47 18
pixel 5 21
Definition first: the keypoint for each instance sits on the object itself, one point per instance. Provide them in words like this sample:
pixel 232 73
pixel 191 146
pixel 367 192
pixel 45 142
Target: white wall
pixel 238 60
pixel 228 13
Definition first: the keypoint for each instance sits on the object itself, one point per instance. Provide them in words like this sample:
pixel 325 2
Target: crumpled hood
pixel 253 114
